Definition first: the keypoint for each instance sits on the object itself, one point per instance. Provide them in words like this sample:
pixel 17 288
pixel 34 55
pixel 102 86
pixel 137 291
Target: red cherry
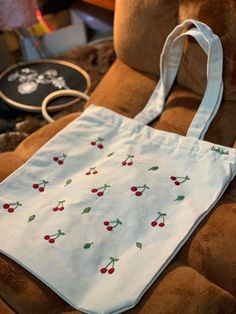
pixel 110 228
pixel 106 223
pixel 6 206
pixel 100 146
pixel 10 210
pixel 154 223
pixel 47 237
pixel 100 193
pixel 124 163
pixel 55 209
pixel 41 189
pixel 60 162
pixel 138 193
pixel 161 224
pixel 95 172
pixel 94 190
pixel 88 173
pixel 61 208
pixel 177 183
pixel 134 188
pixel 111 270
pixel 130 163
pixel 173 178
pixel 35 185
pixel 93 143
pixel 103 270
pixel 51 241
pixel 55 158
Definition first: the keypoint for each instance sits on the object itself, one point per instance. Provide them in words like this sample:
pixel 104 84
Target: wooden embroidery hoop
pixel 34 108
pixel 60 93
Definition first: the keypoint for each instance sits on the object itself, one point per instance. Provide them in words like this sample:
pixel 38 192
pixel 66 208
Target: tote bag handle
pixel 169 64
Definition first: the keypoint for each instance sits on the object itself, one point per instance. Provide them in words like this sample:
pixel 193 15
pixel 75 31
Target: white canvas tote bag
pixel 101 209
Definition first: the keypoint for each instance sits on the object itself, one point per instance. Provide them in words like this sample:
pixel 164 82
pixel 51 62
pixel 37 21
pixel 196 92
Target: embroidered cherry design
pixel 100 191
pixel 51 238
pixel 40 186
pixel 59 207
pixel 112 268
pixel 98 142
pixel 128 161
pixel 112 224
pixel 11 206
pixel 161 216
pixel 178 182
pixel 92 170
pixel 139 190
pixel 60 159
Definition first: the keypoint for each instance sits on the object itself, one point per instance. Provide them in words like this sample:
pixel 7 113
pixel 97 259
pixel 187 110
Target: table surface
pixel 107 4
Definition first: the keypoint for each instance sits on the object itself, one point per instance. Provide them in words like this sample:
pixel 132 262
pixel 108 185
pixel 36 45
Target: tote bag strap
pixel 169 64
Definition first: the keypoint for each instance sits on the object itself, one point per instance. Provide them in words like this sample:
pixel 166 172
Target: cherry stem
pixel 111 262
pixel 105 187
pixel 44 183
pixel 161 215
pixel 116 222
pixel 100 139
pixel 58 234
pixel 60 202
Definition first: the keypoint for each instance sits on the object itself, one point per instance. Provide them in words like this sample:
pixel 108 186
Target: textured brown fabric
pixel 201 279
pixel 24 292
pixel 5 309
pixel 141 28
pixel 9 162
pixel 123 90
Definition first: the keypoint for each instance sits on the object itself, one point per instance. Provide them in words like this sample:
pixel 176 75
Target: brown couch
pixel 202 277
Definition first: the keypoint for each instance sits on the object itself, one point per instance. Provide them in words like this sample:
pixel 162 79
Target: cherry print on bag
pixel 111 225
pixel 180 198
pixel 31 218
pixel 139 190
pixel 60 159
pixel 86 210
pixel 92 170
pixel 111 270
pixel 156 222
pixel 98 143
pixel 52 237
pixel 88 245
pixel 11 206
pixel 178 182
pixel 100 191
pixel 128 161
pixel 59 206
pixel 139 245
pixel 68 182
pixel 40 186
pixel 154 168
pixel 109 155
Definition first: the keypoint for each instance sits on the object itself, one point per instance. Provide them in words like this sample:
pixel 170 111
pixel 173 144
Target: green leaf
pixel 109 155
pixel 180 198
pixel 86 210
pixel 31 218
pixel 139 245
pixel 68 182
pixel 88 245
pixel 153 168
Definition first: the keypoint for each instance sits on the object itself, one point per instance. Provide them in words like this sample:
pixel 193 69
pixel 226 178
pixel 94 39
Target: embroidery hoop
pixel 59 93
pixel 37 108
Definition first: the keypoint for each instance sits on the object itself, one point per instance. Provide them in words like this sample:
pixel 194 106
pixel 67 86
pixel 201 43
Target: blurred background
pixel 76 31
